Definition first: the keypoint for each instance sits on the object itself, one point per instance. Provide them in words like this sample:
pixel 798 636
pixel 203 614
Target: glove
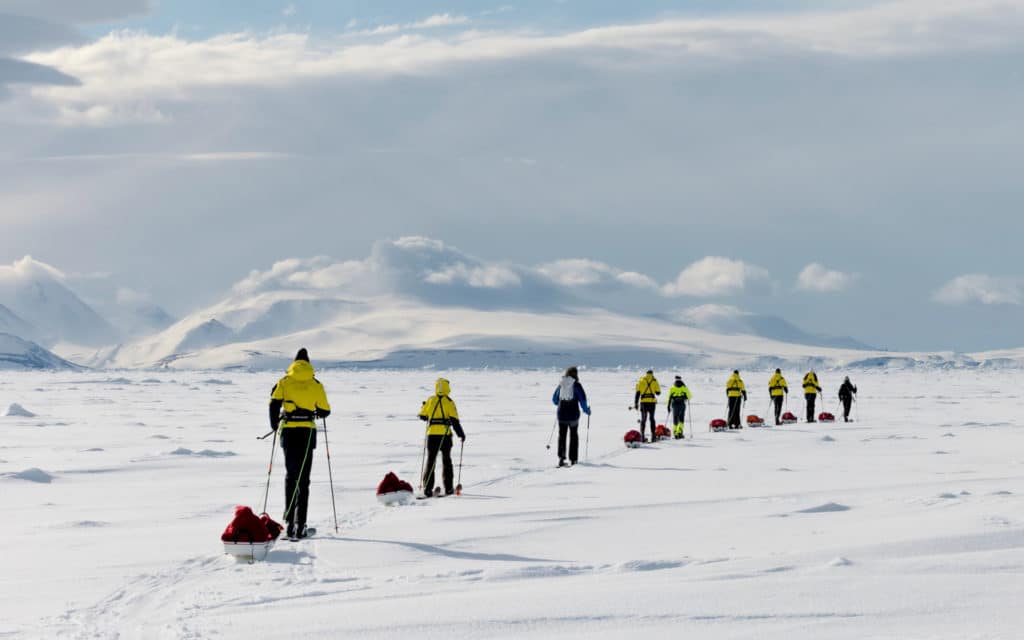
pixel 273 426
pixel 462 438
pixel 322 413
pixel 744 396
pixel 587 411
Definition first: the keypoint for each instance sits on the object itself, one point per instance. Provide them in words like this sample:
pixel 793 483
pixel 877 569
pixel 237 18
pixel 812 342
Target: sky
pixel 851 166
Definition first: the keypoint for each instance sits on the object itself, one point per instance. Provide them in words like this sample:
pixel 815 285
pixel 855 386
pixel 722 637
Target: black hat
pixel 736 371
pixel 572 372
pixel 679 377
pixel 302 355
pixel 650 371
pixel 778 371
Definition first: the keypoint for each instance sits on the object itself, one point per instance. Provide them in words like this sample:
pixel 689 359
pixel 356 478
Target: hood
pixel 679 383
pixel 301 370
pixel 442 387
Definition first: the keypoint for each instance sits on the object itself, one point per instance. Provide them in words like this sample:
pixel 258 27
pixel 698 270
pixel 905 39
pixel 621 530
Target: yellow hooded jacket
pixel 735 388
pixel 300 396
pixel 811 383
pixel 439 410
pixel 648 389
pixel 777 386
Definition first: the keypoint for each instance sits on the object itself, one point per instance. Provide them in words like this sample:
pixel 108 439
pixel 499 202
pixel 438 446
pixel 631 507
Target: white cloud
pixel 130 74
pixel 482 277
pixel 981 288
pixel 816 277
pixel 581 272
pixel 433 22
pixel 28 268
pixel 716 276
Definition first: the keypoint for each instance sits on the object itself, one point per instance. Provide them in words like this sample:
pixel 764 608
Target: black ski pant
pixel 735 404
pixel 778 408
pixel 298 444
pixel 436 444
pixel 810 398
pixel 678 413
pixel 847 402
pixel 570 428
pixel 647 409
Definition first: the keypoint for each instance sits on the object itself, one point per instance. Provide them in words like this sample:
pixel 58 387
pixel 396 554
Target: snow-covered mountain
pixel 35 294
pixel 731 320
pixel 17 353
pixel 416 302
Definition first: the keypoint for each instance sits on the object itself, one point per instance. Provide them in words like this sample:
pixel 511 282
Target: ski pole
pixel 330 475
pixel 270 468
pixel 266 435
pixel 458 487
pixel 586 451
pixel 552 436
pixel 423 458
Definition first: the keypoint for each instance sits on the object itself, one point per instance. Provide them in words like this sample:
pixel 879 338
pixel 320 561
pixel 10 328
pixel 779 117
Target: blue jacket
pixel 569 411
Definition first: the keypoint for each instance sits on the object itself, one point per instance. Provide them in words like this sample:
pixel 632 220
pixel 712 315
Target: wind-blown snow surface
pixel 907 523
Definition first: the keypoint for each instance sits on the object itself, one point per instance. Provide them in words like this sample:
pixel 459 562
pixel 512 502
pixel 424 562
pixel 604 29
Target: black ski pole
pixel 458 487
pixel 266 435
pixel 552 436
pixel 330 475
pixel 586 451
pixel 270 468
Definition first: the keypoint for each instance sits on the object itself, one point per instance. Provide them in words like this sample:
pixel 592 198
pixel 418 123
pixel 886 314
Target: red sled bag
pixel 718 424
pixel 825 416
pixel 392 490
pixel 754 421
pixel 789 418
pixel 662 432
pixel 633 438
pixel 246 527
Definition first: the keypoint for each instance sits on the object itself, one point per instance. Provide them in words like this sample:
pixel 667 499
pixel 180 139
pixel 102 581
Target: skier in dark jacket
pixel 570 397
pixel 296 401
pixel 846 393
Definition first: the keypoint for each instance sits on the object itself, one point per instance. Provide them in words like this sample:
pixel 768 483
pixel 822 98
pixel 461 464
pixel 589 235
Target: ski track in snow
pixel 770 535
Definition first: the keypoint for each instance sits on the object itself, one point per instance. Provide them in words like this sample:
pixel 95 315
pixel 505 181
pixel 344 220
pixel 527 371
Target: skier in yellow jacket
pixel 678 396
pixel 811 391
pixel 778 390
pixel 296 401
pixel 736 392
pixel 646 400
pixel 441 416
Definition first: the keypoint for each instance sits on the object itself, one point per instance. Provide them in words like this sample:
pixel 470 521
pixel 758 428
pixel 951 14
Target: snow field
pixel 907 523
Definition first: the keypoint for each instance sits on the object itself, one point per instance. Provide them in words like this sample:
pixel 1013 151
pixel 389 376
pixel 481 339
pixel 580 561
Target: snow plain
pixel 908 523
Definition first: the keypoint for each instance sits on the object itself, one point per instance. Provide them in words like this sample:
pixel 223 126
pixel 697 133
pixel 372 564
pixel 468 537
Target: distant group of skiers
pixel 298 400
pixel 647 390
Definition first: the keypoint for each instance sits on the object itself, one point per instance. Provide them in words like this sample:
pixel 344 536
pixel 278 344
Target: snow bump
pixel 828 507
pixel 18 411
pixel 33 474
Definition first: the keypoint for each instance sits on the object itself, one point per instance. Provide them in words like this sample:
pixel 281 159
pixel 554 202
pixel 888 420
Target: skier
pixel 811 391
pixel 647 390
pixel 778 390
pixel 296 401
pixel 678 396
pixel 846 392
pixel 735 390
pixel 441 416
pixel 570 398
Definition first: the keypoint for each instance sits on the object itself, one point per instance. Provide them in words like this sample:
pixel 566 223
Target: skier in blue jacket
pixel 570 398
